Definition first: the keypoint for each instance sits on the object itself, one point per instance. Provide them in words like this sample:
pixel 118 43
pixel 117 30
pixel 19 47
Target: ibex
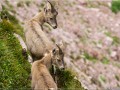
pixel 41 78
pixel 36 40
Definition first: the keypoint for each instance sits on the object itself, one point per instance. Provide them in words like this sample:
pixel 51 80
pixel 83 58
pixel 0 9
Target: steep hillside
pixel 91 32
pixel 14 68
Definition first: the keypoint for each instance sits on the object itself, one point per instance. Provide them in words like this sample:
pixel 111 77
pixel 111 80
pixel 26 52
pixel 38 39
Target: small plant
pixel 20 4
pixel 89 57
pixel 115 6
pixel 102 79
pixel 28 3
pixel 116 40
pixel 105 60
pixel 72 56
pixel 117 77
pixel 66 81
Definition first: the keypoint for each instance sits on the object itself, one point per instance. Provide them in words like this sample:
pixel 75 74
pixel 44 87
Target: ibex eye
pixel 51 18
pixel 59 60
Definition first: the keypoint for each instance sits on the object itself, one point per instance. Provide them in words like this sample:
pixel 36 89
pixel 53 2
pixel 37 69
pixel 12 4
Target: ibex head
pixel 50 15
pixel 58 57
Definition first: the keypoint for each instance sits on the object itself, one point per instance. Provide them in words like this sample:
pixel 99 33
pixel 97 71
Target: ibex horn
pixel 59 48
pixel 48 1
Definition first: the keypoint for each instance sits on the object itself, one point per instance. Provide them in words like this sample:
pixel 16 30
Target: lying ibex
pixel 41 78
pixel 36 40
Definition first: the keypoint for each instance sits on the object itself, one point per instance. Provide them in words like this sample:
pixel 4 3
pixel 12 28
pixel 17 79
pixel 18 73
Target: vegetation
pixel 66 80
pixel 14 69
pixel 116 40
pixel 101 79
pixel 89 57
pixel 115 6
pixel 105 60
pixel 17 28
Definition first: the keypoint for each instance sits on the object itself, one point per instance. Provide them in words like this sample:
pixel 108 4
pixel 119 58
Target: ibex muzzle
pixel 50 15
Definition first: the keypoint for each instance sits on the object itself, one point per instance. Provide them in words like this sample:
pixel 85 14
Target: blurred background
pixel 90 30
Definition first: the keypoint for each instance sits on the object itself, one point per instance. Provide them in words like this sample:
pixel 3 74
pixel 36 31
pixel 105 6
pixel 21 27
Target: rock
pixel 113 54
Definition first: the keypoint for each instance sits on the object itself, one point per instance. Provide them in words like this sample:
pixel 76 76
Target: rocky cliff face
pixel 91 32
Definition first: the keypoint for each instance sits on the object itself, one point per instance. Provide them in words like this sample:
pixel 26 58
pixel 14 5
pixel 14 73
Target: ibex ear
pixel 62 45
pixel 47 6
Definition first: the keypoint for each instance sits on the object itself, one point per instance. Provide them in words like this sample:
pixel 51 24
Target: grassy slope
pixel 66 81
pixel 14 69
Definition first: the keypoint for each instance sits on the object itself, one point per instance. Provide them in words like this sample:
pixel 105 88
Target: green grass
pixel 14 69
pixel 115 6
pixel 89 57
pixel 66 81
pixel 17 28
pixel 105 60
pixel 116 40
pixel 101 79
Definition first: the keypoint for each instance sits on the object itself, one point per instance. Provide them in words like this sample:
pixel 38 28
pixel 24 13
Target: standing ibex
pixel 36 40
pixel 41 78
